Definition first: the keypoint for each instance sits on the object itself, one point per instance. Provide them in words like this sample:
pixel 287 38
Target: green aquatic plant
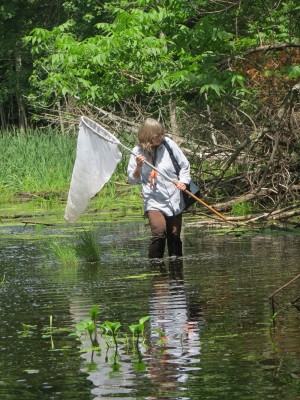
pixel 90 327
pixel 87 326
pixel 27 330
pixel 87 246
pixel 138 329
pixel 93 313
pixel 3 280
pixel 63 252
pixel 117 252
pixel 123 252
pixel 142 276
pixel 162 337
pixel 49 332
pixel 111 328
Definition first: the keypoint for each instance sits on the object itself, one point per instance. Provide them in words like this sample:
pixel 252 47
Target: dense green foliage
pixel 156 48
pixel 153 51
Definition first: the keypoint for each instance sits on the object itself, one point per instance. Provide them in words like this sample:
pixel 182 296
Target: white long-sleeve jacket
pixel 162 195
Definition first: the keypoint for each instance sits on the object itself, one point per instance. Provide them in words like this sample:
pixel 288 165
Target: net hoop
pixel 99 130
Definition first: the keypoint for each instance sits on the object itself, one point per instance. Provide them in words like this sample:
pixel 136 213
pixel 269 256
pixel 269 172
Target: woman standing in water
pixel 163 201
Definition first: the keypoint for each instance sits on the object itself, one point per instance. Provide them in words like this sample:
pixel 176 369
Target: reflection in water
pixel 172 351
pixel 243 355
pixel 175 323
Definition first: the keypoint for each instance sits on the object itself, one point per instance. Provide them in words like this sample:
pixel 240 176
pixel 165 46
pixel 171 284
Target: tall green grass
pixel 87 246
pixel 63 253
pixel 36 161
pixel 42 161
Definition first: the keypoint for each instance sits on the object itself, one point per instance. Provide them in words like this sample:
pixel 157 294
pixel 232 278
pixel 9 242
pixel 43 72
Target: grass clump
pixel 64 253
pixel 87 246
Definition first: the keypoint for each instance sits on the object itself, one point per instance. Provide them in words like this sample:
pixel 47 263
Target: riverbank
pixel 35 174
pixel 48 210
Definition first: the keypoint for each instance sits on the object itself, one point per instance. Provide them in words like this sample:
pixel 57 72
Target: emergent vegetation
pixel 222 75
pixel 92 329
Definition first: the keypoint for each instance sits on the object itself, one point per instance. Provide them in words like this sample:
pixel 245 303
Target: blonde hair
pixel 149 130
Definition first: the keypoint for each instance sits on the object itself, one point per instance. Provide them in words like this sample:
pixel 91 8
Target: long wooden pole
pixel 208 206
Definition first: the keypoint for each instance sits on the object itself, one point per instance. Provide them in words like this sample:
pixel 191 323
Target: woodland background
pixel 223 76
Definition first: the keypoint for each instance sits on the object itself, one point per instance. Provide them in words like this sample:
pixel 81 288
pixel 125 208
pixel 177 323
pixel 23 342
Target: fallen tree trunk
pixel 287 215
pixel 36 223
pixel 246 197
pixel 279 214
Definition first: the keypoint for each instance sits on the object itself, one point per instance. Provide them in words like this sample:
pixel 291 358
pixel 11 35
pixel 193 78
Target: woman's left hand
pixel 181 185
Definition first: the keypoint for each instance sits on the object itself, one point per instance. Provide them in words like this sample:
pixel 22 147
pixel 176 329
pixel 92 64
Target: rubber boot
pixel 174 245
pixel 176 269
pixel 157 248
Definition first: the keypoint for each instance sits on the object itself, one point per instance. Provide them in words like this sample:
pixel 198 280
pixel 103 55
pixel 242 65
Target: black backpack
pixel 192 187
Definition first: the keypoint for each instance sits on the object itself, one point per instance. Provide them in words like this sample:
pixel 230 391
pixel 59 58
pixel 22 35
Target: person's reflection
pixel 175 327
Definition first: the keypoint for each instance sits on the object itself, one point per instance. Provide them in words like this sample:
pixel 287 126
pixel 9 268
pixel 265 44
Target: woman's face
pixel 157 140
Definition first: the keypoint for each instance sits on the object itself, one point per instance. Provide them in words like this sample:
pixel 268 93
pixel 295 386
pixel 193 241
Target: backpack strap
pixel 174 161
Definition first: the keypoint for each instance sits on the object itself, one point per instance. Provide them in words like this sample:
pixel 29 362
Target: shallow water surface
pixel 211 334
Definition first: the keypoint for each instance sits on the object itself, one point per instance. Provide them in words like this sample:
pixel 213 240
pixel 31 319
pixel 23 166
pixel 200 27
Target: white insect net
pixel 97 157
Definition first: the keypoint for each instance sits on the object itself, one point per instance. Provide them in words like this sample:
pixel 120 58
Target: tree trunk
pixel 19 96
pixel 212 135
pixel 2 118
pixel 61 121
pixel 173 122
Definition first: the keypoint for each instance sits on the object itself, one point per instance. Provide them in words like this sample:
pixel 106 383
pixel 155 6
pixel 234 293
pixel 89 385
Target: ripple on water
pixel 210 335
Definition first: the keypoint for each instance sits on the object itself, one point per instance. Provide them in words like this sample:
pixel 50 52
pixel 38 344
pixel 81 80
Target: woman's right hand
pixel 140 159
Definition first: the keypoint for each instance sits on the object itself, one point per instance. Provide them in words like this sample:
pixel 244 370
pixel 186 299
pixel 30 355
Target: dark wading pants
pixel 164 229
